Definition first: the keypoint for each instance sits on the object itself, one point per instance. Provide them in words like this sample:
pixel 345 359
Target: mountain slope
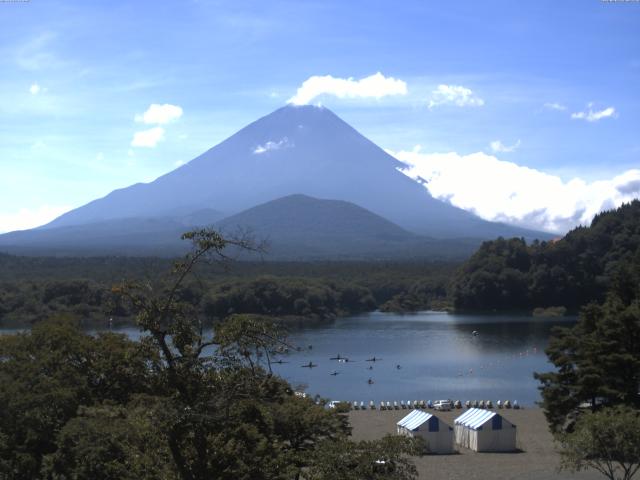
pixel 293 150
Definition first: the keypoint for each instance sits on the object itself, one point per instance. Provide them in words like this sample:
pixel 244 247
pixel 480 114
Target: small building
pixel 484 431
pixel 438 435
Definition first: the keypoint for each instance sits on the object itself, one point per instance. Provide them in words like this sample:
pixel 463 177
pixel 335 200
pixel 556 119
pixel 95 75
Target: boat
pixel 309 365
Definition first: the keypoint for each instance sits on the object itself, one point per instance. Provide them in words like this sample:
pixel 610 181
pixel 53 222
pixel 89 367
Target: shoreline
pixel 536 459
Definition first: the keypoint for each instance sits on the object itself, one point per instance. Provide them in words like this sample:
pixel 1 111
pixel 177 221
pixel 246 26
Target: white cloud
pixel 555 106
pixel 504 191
pixel 271 145
pixel 498 146
pixel 26 218
pixel 594 116
pixel 454 95
pixel 34 89
pixel 158 114
pixel 373 86
pixel 148 138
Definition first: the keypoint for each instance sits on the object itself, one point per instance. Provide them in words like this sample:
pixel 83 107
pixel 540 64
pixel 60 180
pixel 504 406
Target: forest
pixel 508 274
pixel 35 288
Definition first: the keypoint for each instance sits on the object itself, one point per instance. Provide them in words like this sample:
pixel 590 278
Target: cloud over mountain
pixel 498 190
pixel 373 86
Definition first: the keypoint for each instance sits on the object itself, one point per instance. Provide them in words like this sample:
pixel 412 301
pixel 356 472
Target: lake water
pixel 438 355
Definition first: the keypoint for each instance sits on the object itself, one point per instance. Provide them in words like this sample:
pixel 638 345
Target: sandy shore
pixel 537 459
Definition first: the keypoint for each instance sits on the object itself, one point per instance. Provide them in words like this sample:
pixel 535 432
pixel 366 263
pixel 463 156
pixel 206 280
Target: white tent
pixel 437 434
pixel 484 431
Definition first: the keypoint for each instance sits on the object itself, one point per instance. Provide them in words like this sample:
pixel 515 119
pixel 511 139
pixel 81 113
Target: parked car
pixel 444 405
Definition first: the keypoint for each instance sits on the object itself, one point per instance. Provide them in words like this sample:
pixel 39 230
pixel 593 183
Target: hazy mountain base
pixel 296 227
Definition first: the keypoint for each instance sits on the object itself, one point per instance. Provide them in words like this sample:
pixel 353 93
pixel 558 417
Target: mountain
pixel 302 227
pixel 269 176
pixel 296 227
pixel 296 149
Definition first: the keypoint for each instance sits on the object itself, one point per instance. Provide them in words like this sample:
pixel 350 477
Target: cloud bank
pixel 454 95
pixel 504 191
pixel 373 86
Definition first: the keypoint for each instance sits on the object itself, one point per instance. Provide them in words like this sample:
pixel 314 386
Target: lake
pixel 438 355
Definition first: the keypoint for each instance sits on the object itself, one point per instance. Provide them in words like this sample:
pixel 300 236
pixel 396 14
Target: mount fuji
pixel 297 152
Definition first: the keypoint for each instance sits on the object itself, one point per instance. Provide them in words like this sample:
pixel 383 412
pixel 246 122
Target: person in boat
pixel 334 373
pixel 370 367
pixel 337 357
pixel 373 359
pixel 370 381
pixel 398 367
pixel 309 365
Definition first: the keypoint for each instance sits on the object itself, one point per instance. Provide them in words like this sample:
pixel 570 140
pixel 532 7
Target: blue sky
pixel 539 99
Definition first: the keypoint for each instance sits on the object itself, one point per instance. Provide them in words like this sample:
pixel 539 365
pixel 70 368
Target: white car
pixel 444 405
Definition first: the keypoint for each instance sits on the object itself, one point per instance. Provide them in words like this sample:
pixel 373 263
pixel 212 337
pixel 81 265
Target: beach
pixel 536 458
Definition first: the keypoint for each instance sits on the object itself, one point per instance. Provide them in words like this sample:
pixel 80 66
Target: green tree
pixel 47 374
pixel 607 441
pixel 109 442
pixel 385 459
pixel 597 362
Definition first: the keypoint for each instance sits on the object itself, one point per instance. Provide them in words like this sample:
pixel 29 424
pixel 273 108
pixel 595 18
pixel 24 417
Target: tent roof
pixel 474 418
pixel 414 419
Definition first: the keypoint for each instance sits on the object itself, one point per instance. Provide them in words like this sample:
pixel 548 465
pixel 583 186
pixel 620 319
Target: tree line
pixel 47 287
pixel 508 274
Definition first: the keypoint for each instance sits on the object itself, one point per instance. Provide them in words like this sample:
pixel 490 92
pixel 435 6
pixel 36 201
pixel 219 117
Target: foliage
pixel 570 272
pixel 607 441
pixel 598 360
pixel 47 374
pixel 385 459
pixel 33 289
pixel 111 441
pixel 185 402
